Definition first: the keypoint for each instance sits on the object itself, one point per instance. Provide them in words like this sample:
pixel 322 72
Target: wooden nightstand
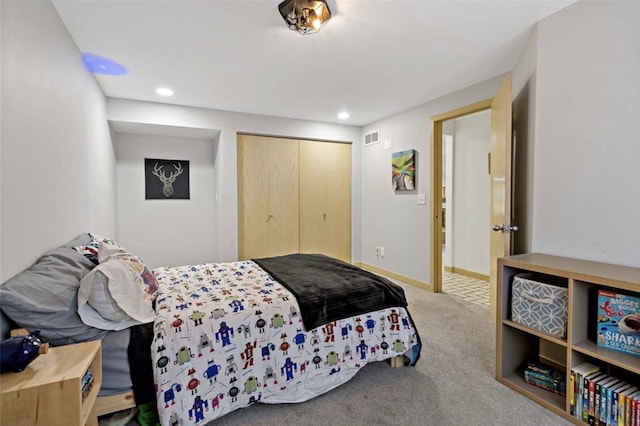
pixel 48 391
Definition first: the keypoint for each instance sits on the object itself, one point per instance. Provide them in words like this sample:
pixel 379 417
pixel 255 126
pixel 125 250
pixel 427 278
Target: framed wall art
pixel 403 170
pixel 166 179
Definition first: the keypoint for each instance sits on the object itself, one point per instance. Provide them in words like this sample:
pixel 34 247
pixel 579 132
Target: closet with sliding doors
pixel 294 196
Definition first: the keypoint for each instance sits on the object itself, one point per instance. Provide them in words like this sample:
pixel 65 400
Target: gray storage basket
pixel 538 305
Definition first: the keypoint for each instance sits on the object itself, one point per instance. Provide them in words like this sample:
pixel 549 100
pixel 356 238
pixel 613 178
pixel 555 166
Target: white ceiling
pixel 374 58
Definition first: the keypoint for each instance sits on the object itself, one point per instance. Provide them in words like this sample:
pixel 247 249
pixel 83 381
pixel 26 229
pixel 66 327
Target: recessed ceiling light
pixel 163 91
pixel 343 115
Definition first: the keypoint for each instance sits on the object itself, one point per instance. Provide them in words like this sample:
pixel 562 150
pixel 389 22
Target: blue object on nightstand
pixel 17 352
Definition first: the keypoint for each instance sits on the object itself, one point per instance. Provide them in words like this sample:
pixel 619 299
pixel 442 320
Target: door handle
pixel 507 229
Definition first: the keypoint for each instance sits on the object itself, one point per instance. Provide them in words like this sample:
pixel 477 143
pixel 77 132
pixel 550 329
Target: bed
pixel 225 335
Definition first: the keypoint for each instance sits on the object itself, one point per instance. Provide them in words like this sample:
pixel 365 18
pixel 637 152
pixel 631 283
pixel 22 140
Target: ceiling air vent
pixel 371 138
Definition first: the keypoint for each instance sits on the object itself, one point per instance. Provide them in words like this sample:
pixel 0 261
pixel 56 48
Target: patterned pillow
pixel 119 292
pixel 147 281
pixel 90 250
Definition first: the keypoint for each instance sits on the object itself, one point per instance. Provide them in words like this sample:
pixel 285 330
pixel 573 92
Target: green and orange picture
pixel 403 165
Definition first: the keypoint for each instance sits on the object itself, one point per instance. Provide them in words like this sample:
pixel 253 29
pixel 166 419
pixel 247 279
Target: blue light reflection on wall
pixel 99 65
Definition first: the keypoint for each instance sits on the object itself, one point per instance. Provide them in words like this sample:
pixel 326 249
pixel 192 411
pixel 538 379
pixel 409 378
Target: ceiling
pixel 373 58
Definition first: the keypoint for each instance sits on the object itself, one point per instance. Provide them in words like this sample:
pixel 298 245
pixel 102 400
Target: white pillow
pixel 117 294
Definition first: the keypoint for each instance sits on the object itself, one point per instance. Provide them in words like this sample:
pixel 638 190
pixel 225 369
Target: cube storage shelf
pixel 517 344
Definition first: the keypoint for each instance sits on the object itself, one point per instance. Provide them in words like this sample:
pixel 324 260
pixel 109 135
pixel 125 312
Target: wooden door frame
pixel 435 190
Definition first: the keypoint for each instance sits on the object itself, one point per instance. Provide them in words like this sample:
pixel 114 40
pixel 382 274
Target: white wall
pixel 448 183
pixel 229 124
pixel 395 220
pixel 587 150
pixel 58 166
pixel 471 193
pixel 524 119
pixel 166 232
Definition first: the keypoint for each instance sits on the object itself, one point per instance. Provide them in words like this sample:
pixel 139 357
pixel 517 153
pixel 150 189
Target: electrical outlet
pixel 422 199
pixel 381 251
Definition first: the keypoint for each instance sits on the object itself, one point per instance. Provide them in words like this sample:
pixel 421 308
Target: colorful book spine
pixel 610 392
pixel 545 377
pixel 591 393
pixel 615 406
pixel 602 401
pixel 572 393
pixel 579 372
pixel 622 405
pixel 630 407
pixel 86 384
pixel 598 397
pixel 579 391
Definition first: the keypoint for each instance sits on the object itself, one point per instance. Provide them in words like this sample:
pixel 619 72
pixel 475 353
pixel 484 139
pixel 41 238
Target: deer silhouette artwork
pixel 167 181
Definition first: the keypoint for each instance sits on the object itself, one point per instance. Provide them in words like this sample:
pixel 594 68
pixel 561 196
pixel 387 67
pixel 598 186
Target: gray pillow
pixel 44 297
pixel 6 325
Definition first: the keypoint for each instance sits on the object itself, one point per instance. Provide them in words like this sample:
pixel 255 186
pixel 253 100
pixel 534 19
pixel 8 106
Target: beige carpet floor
pixel 453 383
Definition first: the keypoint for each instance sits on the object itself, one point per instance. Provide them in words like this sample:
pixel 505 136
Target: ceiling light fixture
pixel 343 115
pixel 101 65
pixel 163 91
pixel 305 16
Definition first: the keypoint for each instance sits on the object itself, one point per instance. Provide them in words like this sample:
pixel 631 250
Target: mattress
pixel 116 377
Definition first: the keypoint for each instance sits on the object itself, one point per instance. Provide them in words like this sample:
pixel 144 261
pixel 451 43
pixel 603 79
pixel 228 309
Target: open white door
pixel 500 172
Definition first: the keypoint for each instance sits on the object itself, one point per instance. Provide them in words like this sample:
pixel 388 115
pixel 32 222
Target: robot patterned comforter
pixel 228 335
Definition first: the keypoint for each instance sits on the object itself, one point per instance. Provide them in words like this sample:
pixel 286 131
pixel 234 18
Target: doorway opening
pixel 466 143
pixel 499 166
pixel 438 196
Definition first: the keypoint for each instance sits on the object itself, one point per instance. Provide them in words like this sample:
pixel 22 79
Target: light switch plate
pixel 422 199
pixel 388 144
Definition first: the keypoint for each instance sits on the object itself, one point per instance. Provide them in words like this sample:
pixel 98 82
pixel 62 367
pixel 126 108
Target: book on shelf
pixel 572 393
pixel 615 395
pixel 545 377
pixel 622 404
pixel 578 372
pixel 635 409
pixel 610 392
pixel 594 399
pixel 588 393
pixel 87 390
pixel 630 408
pixel 86 384
pixel 618 321
pixel 88 375
pixel 601 400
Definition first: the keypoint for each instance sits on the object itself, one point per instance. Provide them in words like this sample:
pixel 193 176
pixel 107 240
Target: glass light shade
pixel 305 16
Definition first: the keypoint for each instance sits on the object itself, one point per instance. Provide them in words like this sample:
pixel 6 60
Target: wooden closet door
pixel 284 222
pixel 313 194
pixel 253 197
pixel 338 204
pixel 267 196
pixel 325 199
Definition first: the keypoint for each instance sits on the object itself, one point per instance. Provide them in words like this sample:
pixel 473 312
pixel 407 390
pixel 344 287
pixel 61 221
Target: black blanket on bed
pixel 329 289
pixel 141 364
